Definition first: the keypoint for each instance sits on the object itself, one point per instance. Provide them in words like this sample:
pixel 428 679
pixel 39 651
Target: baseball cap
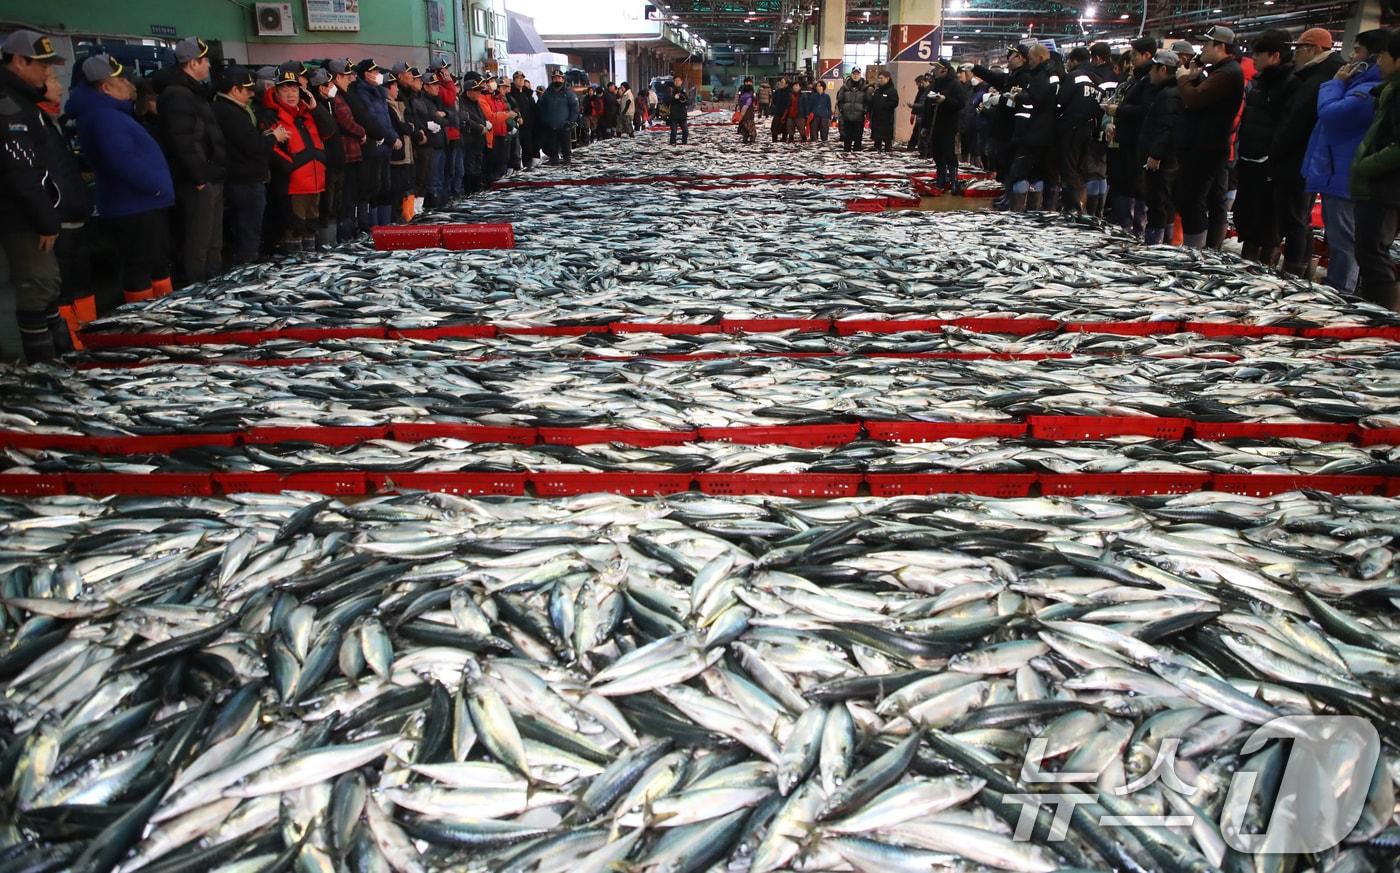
pixel 1219 34
pixel 400 67
pixel 1182 47
pixel 286 76
pixel 413 73
pixel 267 73
pixel 339 66
pixel 100 68
pixel 1318 37
pixel 367 66
pixel 320 77
pixel 1166 58
pixel 436 65
pixel 190 48
pixel 237 77
pixel 32 45
pixel 471 77
pixel 1270 41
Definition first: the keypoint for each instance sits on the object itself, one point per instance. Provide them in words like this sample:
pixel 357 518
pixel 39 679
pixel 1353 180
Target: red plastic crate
pixel 1014 326
pixel 1214 328
pixel 33 484
pixel 65 442
pixel 150 484
pixel 774 325
pixel 782 484
pixel 388 238
pixel 312 334
pixel 451 483
pixel 983 192
pixel 229 338
pixel 1378 436
pixel 903 202
pixel 325 436
pixel 1221 430
pixel 161 443
pixel 1088 427
pixel 422 431
pixel 866 325
pixel 465 237
pixel 1360 331
pixel 933 431
pixel 987 484
pixel 1125 328
pixel 446 331
pixel 582 436
pixel 1265 484
pixel 552 329
pixel 1125 484
pixel 669 329
pixel 867 204
pixel 1391 487
pixel 801 435
pixel 339 482
pixel 565 484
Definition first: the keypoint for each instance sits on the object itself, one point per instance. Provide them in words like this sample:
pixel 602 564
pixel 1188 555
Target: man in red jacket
pixel 298 165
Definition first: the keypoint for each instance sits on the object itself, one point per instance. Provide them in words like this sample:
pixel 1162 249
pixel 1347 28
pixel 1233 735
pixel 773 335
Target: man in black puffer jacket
pixel 1316 63
pixel 1210 101
pixel 42 190
pixel 1266 102
pixel 194 146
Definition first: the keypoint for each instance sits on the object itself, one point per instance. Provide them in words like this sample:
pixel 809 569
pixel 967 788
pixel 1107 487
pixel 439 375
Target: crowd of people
pixel 196 170
pixel 191 171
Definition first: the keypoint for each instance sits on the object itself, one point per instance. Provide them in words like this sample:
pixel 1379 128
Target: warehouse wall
pixel 389 29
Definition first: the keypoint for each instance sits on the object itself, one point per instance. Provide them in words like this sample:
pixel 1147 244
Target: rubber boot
pixel 1250 252
pixel 383 215
pixel 1268 255
pixel 34 337
pixel 418 205
pixel 1049 197
pixel 1034 201
pixel 86 308
pixel 58 333
pixel 325 237
pixel 70 317
pixel 1301 271
pixel 138 296
pixel 162 287
pixel 1194 240
pixel 1215 234
pixel 1153 236
pixel 1018 201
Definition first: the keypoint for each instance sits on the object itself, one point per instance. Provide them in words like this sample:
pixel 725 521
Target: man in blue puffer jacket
pixel 134 187
pixel 1345 107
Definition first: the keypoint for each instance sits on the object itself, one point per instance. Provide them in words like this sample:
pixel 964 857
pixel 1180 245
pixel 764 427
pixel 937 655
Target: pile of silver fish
pixel 771 257
pixel 652 394
pixel 426 682
pixel 1133 454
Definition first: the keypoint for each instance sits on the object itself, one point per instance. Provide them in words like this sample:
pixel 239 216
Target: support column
pixel 833 44
pixel 916 35
pixel 1366 15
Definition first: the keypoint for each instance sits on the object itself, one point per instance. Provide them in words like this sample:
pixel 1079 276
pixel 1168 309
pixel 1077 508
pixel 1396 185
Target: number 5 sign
pixel 915 42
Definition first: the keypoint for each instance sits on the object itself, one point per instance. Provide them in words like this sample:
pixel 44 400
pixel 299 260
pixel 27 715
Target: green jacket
pixel 1375 171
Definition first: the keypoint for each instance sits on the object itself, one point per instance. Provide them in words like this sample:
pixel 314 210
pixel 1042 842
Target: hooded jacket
pixel 132 176
pixel 1344 112
pixel 557 108
pixel 300 161
pixel 249 149
pixel 194 143
pixel 1299 119
pixel 1375 172
pixel 852 101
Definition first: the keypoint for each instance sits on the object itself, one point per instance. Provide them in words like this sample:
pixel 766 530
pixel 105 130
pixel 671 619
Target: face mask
pixel 331 92
pixel 376 79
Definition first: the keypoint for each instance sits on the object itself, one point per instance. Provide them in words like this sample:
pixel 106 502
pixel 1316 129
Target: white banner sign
pixel 332 14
